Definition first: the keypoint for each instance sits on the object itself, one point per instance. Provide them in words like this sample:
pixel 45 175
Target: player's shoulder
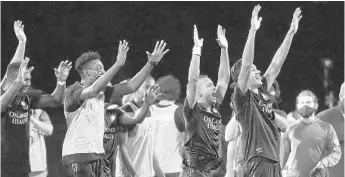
pixel 74 87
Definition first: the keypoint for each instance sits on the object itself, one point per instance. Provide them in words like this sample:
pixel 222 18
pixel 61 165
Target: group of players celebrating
pixel 98 129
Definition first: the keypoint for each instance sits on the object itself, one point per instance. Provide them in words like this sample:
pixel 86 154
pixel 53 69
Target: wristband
pixel 61 82
pixel 197 50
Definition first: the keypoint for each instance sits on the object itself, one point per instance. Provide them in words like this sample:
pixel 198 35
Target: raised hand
pixel 122 53
pixel 158 52
pixel 152 95
pixel 197 42
pixel 62 71
pixel 256 20
pixel 221 39
pixel 19 30
pixel 295 20
pixel 23 70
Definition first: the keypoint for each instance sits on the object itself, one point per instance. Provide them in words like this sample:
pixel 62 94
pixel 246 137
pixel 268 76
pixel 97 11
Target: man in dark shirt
pixel 260 137
pixel 201 112
pixel 16 100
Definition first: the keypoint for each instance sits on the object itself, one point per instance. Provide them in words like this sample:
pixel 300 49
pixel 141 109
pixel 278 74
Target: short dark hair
pixel 85 58
pixel 308 93
pixel 235 70
pixel 170 87
pixel 13 69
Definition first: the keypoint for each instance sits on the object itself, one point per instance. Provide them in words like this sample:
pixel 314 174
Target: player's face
pixel 144 87
pixel 93 70
pixel 306 106
pixel 207 91
pixel 254 77
pixel 27 83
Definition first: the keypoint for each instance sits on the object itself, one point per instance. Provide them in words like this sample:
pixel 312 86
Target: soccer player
pixel 139 139
pixel 170 126
pixel 16 101
pixel 201 111
pixel 312 144
pixel 260 136
pixel 82 150
pixel 116 122
pixel 335 116
pixel 40 126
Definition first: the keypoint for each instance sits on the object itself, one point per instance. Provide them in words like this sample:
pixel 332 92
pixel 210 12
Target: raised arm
pixel 150 98
pixel 134 84
pixel 7 97
pixel 248 52
pixel 19 31
pixel 43 124
pixel 194 69
pixel 280 56
pixel 55 99
pixel 224 65
pixel 285 148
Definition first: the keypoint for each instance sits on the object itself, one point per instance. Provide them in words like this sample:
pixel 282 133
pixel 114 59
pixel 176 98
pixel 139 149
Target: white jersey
pixel 168 140
pixel 85 128
pixel 140 149
pixel 38 152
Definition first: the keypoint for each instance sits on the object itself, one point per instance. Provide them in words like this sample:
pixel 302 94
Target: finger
pixel 224 30
pixel 69 68
pixel 156 46
pixel 155 87
pixel 30 69
pixel 218 31
pixel 161 44
pixel 158 95
pixel 166 51
pixel 163 47
pixel 148 53
pixel 218 41
pixel 260 19
pixel 299 18
pixel 127 48
pixel 196 34
pixel 202 40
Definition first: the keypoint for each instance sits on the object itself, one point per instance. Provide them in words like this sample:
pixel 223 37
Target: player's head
pixel 89 66
pixel 254 79
pixel 149 81
pixel 206 91
pixel 306 103
pixel 170 87
pixel 12 74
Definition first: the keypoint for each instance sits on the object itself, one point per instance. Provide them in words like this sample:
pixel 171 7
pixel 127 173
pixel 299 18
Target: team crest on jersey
pixel 24 105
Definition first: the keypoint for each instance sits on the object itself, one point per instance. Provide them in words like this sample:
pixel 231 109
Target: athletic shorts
pixel 90 169
pixel 261 166
pixel 190 172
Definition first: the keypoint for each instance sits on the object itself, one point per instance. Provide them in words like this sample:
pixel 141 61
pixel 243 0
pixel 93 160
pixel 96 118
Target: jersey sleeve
pixel 333 147
pixel 239 103
pixel 188 112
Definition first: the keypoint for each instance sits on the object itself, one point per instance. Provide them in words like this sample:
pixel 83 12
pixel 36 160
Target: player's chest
pixel 18 112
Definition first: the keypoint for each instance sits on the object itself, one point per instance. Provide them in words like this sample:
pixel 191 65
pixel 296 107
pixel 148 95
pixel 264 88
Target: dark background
pixel 63 30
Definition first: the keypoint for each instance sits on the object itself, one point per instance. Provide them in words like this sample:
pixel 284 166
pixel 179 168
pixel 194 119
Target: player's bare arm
pixel 123 138
pixel 55 99
pixel 10 94
pixel 19 31
pixel 285 148
pixel 151 97
pixel 133 85
pixel 43 124
pixel 280 56
pixel 248 52
pixel 224 65
pixel 102 81
pixel 194 69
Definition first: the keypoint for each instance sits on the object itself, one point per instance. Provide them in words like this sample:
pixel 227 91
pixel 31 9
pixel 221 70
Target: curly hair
pixel 84 58
pixel 170 87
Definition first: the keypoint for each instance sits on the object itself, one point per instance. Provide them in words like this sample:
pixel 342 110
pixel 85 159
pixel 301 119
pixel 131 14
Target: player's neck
pixel 205 105
pixel 308 120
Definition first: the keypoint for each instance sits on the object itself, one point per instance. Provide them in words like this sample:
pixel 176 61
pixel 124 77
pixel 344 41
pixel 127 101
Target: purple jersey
pixel 15 133
pixel 260 135
pixel 202 147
